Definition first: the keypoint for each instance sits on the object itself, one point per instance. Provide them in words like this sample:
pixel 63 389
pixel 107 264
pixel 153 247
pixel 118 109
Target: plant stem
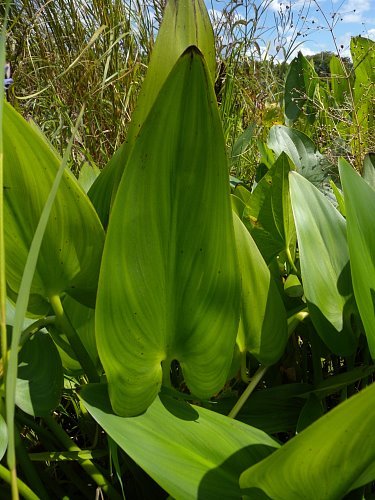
pixel 295 320
pixel 61 456
pixel 249 389
pixel 3 327
pixel 26 492
pixel 74 340
pixel 88 466
pixel 35 327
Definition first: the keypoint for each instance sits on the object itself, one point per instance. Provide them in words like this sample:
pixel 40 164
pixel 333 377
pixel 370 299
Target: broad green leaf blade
pixel 308 161
pixel 190 451
pixel 294 90
pixel 363 54
pixel 360 210
pixel 335 383
pixel 71 250
pixel 169 285
pixel 328 459
pixel 40 376
pixel 311 411
pixel 242 144
pixel 301 81
pixel 87 176
pixel 324 256
pixel 269 212
pixel 184 24
pixel 263 327
pixel 340 82
pixel 272 410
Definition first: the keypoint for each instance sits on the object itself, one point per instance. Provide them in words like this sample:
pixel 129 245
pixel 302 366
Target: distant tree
pixel 321 62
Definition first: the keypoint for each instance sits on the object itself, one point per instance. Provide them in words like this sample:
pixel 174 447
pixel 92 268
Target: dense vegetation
pixel 187 260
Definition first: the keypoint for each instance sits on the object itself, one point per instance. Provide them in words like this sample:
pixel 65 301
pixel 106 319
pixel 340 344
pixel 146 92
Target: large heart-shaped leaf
pixel 324 256
pixel 263 326
pixel 184 24
pixel 360 210
pixel 190 451
pixel 70 254
pixel 327 460
pixel 169 283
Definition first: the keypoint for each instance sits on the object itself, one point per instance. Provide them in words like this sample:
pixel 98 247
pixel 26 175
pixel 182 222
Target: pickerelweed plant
pixel 161 299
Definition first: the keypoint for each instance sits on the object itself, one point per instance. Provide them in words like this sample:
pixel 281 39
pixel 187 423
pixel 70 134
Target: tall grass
pixel 68 53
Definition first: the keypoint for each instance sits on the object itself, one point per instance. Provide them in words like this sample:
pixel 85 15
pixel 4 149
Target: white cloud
pixel 306 51
pixel 355 11
pixel 371 33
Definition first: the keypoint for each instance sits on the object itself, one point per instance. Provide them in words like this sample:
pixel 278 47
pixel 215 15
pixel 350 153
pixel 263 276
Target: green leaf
pixel 303 153
pixel 335 383
pixel 294 90
pixel 272 410
pixel 363 54
pixel 360 209
pixel 270 214
pixel 311 411
pixel 169 285
pixel 328 459
pixel 70 254
pixel 40 376
pixel 3 437
pixel 324 257
pixel 369 169
pixel 83 320
pixel 184 24
pixel 212 448
pixel 263 327
pixel 87 175
pixel 300 84
pixel 339 198
pixel 340 83
pixel 242 144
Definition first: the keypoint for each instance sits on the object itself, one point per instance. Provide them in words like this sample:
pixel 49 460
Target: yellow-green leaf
pixel 324 257
pixel 360 210
pixel 71 250
pixel 327 460
pixel 169 285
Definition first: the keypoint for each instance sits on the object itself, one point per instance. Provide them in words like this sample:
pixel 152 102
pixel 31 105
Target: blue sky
pixel 316 25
